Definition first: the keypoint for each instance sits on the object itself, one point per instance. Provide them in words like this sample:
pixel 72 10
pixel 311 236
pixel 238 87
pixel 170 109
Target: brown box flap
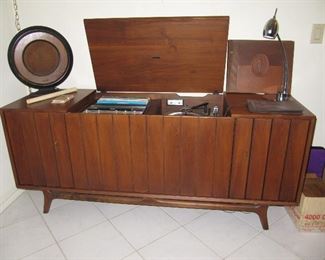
pixel 314 188
pixel 170 54
pixel 256 66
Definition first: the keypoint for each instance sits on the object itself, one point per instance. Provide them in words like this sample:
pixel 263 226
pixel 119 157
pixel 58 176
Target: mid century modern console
pixel 233 160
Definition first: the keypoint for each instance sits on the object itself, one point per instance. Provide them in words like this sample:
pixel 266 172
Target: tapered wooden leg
pixel 261 211
pixel 48 197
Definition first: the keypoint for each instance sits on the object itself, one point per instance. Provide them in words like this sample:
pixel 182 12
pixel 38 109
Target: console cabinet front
pixel 255 160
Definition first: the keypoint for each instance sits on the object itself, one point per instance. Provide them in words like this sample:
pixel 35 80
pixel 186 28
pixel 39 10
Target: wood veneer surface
pixel 179 156
pixel 161 54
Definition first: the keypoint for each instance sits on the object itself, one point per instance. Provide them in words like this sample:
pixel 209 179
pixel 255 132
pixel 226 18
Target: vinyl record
pixel 40 57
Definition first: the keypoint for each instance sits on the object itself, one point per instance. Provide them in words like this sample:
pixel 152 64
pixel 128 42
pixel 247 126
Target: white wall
pixel 247 19
pixel 10 90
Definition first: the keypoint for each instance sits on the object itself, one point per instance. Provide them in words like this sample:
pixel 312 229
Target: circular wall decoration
pixel 40 57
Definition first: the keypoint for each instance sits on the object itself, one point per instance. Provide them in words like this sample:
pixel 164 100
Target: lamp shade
pixel 271 28
pixel 270 31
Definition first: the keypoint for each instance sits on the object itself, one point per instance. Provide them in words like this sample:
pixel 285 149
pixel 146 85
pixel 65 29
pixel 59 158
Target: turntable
pixel 194 107
pixel 197 110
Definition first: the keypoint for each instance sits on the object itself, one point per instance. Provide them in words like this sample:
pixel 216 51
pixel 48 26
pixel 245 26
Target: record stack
pixel 119 105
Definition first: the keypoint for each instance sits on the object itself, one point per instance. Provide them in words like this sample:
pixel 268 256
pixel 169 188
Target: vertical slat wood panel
pixel 46 144
pixel 61 149
pixel 19 149
pixel 189 158
pixel 295 155
pixel 77 153
pixel 258 158
pixel 33 151
pixel 276 158
pixel 122 148
pixel 106 148
pixel 138 135
pixel 240 160
pixel 155 154
pixel 205 157
pixel 90 142
pixel 309 140
pixel 223 156
pixel 172 153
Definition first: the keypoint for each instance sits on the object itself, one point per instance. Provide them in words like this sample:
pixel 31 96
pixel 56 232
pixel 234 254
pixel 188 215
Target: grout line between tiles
pixel 283 246
pixel 207 211
pixel 249 224
pixel 265 233
pixel 19 221
pixel 229 212
pixel 22 220
pixel 260 232
pixel 2 212
pixel 270 224
pixel 203 242
pixel 138 250
pixel 59 241
pixel 27 218
pixel 225 211
pixel 118 231
pixel 248 241
pixel 84 230
pixel 136 206
pixel 183 226
pixel 41 210
pixel 39 250
pixel 43 219
pixel 153 241
pixel 132 254
pixel 286 214
pixel 142 257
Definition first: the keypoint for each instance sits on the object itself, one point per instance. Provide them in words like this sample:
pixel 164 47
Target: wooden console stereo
pixel 226 158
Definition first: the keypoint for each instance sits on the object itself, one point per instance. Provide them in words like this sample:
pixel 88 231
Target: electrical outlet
pixel 317 33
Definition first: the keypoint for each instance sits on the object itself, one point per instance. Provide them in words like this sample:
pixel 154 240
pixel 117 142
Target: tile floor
pixel 91 231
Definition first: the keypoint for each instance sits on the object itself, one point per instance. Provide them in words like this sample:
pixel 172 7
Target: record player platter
pixel 184 113
pixel 202 109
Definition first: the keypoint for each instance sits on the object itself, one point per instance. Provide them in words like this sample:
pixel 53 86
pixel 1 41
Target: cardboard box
pixel 310 214
pixel 316 162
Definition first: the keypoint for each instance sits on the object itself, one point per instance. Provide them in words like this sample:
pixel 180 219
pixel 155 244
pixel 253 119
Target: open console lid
pixel 170 54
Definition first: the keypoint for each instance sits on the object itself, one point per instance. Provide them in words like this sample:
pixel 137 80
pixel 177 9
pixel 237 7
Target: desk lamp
pixel 270 31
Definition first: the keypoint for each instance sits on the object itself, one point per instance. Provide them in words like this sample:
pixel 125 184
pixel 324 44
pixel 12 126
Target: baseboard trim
pixel 11 199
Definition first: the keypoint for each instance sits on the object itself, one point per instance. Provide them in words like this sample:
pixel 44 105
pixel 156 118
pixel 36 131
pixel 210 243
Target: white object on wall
pixel 317 33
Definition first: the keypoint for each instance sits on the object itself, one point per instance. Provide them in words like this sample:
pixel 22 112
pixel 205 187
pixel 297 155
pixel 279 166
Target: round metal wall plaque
pixel 40 57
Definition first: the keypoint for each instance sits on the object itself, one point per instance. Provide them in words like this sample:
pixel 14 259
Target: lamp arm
pixel 284 94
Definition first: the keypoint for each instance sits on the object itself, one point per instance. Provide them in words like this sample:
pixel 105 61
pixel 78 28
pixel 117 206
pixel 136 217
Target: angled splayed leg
pixel 48 197
pixel 261 211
